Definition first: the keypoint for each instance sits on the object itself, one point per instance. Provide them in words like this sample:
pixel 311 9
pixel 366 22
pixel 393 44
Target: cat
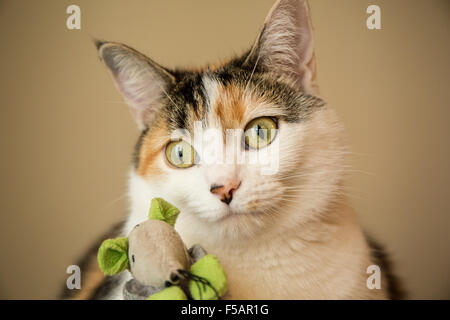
pixel 291 234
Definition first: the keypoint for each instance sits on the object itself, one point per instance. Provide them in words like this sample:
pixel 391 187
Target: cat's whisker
pixel 312 174
pixel 112 202
pixel 253 71
pixel 307 174
pixel 311 191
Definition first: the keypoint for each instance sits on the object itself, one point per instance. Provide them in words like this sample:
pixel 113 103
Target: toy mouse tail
pixel 199 281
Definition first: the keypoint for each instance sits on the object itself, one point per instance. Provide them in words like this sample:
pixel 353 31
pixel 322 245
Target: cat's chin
pixel 230 215
pixel 239 226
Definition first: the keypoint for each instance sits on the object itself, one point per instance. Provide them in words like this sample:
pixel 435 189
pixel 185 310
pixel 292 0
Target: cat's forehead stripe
pixel 210 89
pixel 228 106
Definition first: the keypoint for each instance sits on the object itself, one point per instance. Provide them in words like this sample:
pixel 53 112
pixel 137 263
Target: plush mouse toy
pixel 162 267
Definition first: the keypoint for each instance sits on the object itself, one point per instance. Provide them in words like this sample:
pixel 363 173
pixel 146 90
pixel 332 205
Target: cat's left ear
pixel 141 81
pixel 285 44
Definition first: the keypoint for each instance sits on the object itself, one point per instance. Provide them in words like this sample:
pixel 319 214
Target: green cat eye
pixel 180 154
pixel 260 132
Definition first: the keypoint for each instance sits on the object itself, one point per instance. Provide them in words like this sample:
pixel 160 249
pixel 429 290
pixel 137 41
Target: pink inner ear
pixel 139 80
pixel 141 91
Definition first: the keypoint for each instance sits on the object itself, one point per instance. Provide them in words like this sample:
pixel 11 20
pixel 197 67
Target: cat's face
pixel 240 146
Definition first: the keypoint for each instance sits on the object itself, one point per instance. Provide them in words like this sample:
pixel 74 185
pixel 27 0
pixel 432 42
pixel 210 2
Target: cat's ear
pixel 141 81
pixel 285 44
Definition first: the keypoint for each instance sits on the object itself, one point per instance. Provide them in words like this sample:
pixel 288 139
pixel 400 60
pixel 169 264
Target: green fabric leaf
pixel 170 293
pixel 112 256
pixel 160 209
pixel 209 268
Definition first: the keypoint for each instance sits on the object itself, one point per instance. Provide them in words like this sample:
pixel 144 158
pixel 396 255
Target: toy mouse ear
pixel 112 256
pixel 160 209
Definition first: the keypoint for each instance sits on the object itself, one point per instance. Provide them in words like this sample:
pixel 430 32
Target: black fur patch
pixel 105 288
pixel 186 101
pixel 380 257
pixel 137 148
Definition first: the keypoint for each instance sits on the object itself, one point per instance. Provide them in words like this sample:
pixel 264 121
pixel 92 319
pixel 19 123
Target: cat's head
pixel 188 117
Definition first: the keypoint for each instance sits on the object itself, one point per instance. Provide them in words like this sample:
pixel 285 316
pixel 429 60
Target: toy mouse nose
pixel 225 191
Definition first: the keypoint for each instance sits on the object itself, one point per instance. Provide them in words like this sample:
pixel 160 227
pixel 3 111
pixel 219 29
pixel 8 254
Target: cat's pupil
pixel 180 153
pixel 260 132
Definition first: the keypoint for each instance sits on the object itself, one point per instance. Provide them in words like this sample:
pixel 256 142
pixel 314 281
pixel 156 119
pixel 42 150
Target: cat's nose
pixel 225 191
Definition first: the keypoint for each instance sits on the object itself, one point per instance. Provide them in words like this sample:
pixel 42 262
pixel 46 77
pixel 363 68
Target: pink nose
pixel 225 191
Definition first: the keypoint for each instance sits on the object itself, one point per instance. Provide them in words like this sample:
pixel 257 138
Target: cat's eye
pixel 180 154
pixel 260 132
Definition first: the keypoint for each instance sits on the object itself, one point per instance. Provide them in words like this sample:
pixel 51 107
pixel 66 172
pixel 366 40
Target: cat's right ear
pixel 141 81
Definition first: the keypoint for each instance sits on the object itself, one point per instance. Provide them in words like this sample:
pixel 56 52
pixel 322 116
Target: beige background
pixel 66 137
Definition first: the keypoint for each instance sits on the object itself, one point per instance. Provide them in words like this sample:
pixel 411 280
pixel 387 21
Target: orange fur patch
pixel 230 107
pixel 92 280
pixel 152 145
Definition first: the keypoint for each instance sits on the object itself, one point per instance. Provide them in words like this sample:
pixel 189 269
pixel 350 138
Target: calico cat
pixel 290 234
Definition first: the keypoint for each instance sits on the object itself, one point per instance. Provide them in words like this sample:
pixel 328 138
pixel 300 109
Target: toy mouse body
pixel 158 245
pixel 162 267
pixel 135 290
